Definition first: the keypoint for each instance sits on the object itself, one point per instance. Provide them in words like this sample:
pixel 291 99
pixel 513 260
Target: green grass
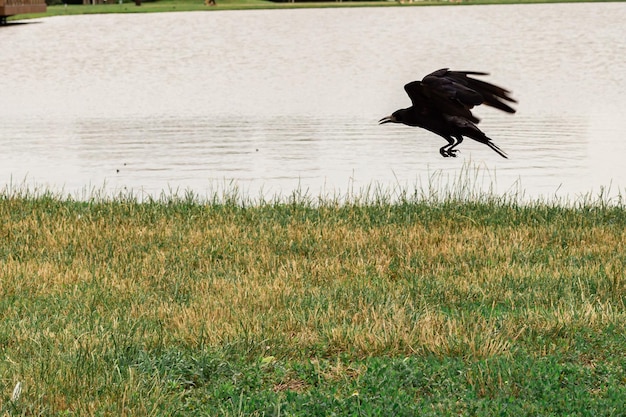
pixel 129 6
pixel 420 306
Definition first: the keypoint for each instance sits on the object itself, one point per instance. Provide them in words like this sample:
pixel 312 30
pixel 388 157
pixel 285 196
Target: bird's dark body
pixel 442 104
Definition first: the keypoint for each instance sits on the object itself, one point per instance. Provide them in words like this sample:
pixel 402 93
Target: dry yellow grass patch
pixel 333 280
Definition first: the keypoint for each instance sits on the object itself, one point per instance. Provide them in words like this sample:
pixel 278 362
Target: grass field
pixel 446 306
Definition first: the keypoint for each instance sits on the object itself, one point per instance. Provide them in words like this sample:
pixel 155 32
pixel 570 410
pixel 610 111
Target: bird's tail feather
pixel 496 148
pixel 479 136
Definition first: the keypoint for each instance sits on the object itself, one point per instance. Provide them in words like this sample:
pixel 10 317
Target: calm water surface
pixel 275 101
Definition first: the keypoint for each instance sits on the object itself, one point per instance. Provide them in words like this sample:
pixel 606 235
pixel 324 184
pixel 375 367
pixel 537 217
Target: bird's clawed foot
pixel 447 153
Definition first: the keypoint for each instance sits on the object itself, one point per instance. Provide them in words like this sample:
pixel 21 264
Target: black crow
pixel 442 103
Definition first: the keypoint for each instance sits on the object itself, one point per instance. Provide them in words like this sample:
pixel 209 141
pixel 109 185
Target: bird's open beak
pixel 388 119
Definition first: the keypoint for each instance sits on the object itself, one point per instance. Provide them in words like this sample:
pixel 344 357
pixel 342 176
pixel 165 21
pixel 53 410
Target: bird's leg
pixel 445 150
pixel 451 149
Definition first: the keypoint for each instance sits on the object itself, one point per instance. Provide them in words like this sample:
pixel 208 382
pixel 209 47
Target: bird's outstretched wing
pixel 493 95
pixel 455 93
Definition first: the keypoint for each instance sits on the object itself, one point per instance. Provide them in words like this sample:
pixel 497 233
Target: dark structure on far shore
pixel 13 7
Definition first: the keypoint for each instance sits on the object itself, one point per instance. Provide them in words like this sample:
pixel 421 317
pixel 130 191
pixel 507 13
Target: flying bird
pixel 442 103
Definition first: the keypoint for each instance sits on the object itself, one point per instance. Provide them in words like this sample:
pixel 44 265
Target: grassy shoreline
pixel 199 5
pixel 291 308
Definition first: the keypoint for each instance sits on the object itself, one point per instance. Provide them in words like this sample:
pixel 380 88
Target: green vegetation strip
pixel 180 307
pixel 128 6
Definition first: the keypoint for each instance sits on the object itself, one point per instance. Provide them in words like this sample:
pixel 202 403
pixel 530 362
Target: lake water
pixel 273 101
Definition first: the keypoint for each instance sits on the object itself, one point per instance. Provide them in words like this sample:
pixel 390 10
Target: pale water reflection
pixel 272 101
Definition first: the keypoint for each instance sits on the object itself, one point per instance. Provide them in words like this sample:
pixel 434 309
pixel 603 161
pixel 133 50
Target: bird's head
pixel 396 117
